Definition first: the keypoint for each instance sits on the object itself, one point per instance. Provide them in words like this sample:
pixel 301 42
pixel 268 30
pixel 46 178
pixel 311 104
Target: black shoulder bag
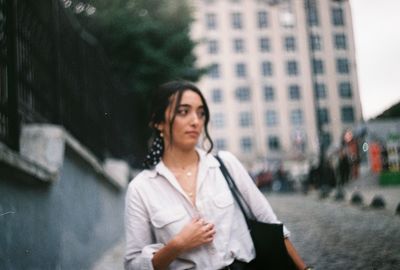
pixel 268 240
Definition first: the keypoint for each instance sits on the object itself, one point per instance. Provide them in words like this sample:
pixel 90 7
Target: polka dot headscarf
pixel 155 152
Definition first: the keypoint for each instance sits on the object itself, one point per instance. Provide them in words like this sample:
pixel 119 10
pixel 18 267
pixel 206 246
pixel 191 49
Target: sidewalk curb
pixel 378 201
pixel 374 200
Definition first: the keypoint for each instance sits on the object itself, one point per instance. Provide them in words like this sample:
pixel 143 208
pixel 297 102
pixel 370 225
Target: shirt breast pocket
pixel 223 206
pixel 168 222
pixel 223 200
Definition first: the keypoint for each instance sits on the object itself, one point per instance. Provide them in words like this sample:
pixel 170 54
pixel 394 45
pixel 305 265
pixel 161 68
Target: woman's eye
pixel 182 111
pixel 201 114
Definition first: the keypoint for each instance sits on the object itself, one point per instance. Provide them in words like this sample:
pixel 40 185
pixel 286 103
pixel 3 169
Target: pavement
pixel 331 235
pixel 112 259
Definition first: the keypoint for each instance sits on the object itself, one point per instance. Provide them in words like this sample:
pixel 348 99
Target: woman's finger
pixel 209 239
pixel 211 232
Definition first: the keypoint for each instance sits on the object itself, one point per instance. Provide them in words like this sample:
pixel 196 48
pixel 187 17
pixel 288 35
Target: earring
pixel 161 134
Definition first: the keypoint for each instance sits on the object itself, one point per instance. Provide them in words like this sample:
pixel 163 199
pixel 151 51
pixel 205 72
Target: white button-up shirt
pixel 157 209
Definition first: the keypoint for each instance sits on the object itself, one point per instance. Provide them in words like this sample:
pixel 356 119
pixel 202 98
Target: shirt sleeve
pixel 257 202
pixel 139 240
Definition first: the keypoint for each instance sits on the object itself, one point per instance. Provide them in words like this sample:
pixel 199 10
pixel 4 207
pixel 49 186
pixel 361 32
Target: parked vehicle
pixel 264 179
pixel 274 180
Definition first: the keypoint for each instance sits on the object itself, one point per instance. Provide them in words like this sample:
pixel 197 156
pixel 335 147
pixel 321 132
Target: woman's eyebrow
pixel 189 106
pixel 184 106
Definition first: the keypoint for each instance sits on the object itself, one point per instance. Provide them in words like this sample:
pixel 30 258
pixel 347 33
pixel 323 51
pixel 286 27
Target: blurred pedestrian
pixel 312 180
pixel 283 179
pixel 180 213
pixel 343 167
pixel 354 157
pixel 327 177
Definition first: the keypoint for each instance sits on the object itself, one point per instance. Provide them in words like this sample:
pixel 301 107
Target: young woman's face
pixel 188 123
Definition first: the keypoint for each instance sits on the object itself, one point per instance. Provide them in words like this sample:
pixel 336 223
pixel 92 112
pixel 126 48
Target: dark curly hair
pixel 163 97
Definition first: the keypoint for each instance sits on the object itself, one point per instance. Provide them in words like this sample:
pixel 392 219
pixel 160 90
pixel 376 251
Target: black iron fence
pixel 52 71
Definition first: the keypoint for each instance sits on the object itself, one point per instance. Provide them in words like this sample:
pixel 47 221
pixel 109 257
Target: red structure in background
pixel 375 157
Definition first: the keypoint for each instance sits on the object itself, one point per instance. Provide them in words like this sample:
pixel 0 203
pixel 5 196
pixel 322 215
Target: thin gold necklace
pixel 186 169
pixel 193 186
pixel 187 173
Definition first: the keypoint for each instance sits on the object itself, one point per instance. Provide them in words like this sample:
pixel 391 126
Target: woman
pixel 180 213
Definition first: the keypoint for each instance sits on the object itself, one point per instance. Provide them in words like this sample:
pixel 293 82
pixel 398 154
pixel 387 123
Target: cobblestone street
pixel 332 235
pixel 328 234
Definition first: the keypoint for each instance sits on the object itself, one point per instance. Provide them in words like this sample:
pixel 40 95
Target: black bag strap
pixel 244 207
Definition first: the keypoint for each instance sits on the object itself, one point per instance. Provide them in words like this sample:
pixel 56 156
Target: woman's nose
pixel 195 118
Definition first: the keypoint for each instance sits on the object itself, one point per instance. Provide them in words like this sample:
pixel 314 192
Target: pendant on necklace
pixel 190 194
pixel 189 174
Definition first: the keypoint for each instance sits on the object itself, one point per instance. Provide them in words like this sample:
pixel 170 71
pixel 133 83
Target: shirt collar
pixel 209 159
pixel 206 160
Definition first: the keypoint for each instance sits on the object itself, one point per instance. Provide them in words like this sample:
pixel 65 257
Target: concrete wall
pixel 63 222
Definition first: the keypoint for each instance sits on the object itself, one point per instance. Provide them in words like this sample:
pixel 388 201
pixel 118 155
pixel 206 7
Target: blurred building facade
pixel 282 77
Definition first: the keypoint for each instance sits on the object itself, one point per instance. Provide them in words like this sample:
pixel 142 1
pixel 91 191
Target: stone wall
pixel 59 207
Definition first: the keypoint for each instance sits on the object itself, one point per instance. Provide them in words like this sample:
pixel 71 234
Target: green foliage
pixel 147 43
pixel 392 112
pixel 147 40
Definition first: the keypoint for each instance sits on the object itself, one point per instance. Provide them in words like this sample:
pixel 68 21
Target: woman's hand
pixel 194 234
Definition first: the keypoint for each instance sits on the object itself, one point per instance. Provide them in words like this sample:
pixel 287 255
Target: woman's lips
pixel 192 133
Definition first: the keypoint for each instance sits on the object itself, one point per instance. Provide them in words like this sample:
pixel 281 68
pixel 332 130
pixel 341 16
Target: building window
pixel 347 114
pixel 337 16
pixel 220 144
pixel 320 90
pixel 213 71
pixel 242 93
pixel 290 44
pixel 315 42
pixel 241 70
pixel 274 143
pixel 245 119
pixel 246 144
pixel 265 45
pixel 266 67
pixel 345 90
pixel 312 12
pixel 340 42
pixel 211 21
pixel 323 115
pixel 291 68
pixel 262 19
pixel 213 46
pixel 342 66
pixel 269 93
pixel 216 95
pixel 318 66
pixel 218 120
pixel 271 118
pixel 238 45
pixel 294 92
pixel 296 117
pixel 326 139
pixel 237 20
